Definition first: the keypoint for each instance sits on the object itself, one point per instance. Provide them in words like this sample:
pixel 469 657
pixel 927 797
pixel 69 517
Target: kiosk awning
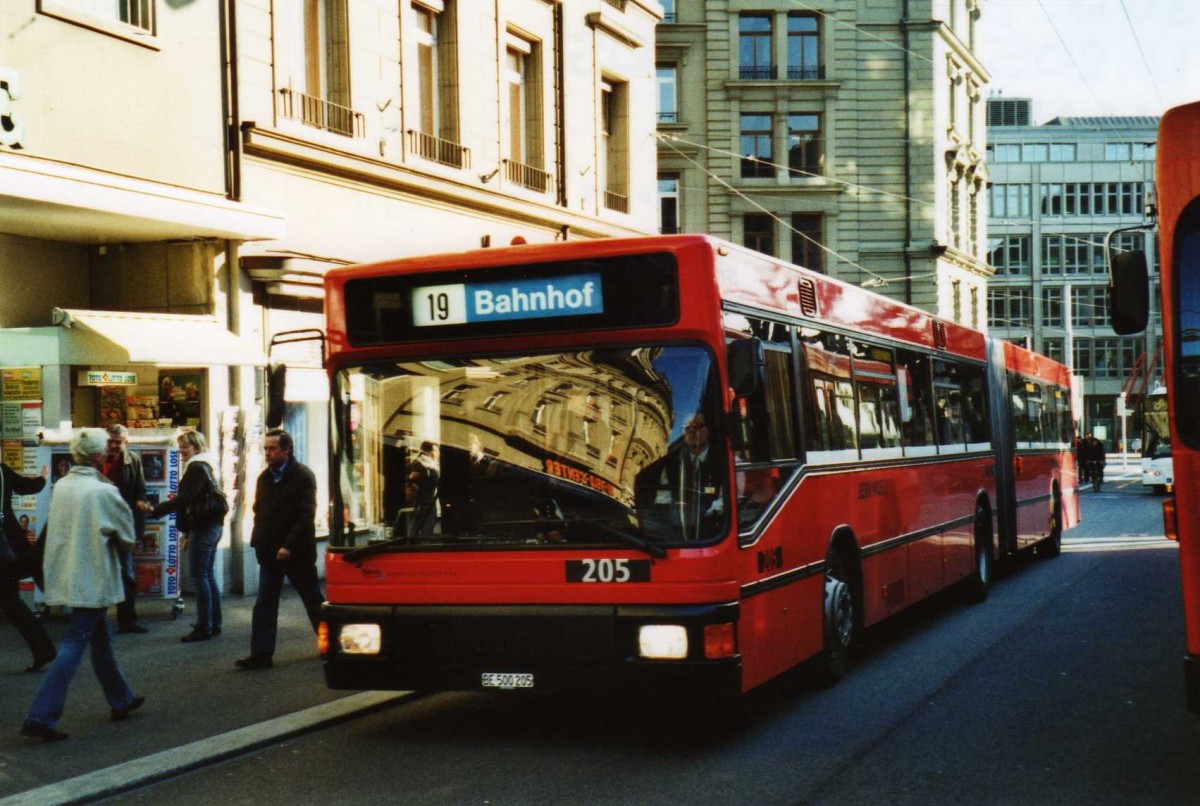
pixel 114 337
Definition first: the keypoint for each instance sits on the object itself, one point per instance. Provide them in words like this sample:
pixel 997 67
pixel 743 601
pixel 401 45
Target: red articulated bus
pixel 661 462
pixel 1177 189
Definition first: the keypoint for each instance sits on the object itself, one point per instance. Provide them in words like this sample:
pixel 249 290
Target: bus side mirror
pixel 747 366
pixel 1128 292
pixel 276 391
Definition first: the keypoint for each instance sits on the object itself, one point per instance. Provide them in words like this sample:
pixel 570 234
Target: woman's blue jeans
pixel 89 625
pixel 202 558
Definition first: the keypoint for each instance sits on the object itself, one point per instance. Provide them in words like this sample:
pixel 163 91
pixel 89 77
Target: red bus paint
pixel 876 455
pixel 1177 178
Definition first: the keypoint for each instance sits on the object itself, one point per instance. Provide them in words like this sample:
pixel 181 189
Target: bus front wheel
pixel 839 621
pixel 1051 546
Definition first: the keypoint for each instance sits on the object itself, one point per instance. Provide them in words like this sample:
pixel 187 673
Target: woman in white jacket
pixel 87 524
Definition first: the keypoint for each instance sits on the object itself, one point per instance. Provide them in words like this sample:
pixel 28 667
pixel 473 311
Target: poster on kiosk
pixel 32 449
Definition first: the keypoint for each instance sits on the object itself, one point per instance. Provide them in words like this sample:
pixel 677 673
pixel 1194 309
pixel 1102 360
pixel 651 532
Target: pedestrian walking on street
pixel 87 526
pixel 284 541
pixel 123 468
pixel 13 549
pixel 203 526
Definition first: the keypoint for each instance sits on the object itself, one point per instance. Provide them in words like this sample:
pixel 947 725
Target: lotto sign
pixel 461 303
pixel 171 568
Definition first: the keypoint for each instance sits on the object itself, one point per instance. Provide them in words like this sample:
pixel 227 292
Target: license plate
pixel 507 680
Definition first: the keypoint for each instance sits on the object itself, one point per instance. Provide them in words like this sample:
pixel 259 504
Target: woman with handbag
pixel 199 509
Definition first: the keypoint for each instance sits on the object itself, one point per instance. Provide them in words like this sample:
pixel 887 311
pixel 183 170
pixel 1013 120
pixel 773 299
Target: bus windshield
pixel 1156 428
pixel 600 447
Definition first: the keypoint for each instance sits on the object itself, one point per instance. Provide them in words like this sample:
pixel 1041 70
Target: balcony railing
pixel 323 114
pixel 668 117
pixel 526 175
pixel 615 201
pixel 757 73
pixel 438 150
pixel 807 73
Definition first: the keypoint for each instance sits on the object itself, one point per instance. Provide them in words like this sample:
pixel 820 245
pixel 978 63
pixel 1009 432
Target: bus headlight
pixel 662 642
pixel 360 639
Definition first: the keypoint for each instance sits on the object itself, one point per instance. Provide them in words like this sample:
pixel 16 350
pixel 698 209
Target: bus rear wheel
pixel 1051 546
pixel 977 585
pixel 839 622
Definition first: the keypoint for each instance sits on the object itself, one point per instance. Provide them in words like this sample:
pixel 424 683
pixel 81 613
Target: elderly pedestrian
pixel 13 547
pixel 123 468
pixel 88 525
pixel 284 541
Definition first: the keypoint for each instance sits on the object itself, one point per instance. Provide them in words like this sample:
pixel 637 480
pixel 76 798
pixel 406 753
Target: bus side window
pixel 770 454
pixel 829 398
pixel 948 404
pixel 915 383
pixel 975 420
pixel 878 406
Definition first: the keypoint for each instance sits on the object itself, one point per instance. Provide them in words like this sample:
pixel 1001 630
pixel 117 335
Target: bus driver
pixel 689 480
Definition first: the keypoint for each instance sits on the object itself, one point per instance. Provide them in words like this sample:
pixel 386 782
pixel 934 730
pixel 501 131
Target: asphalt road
pixel 1065 686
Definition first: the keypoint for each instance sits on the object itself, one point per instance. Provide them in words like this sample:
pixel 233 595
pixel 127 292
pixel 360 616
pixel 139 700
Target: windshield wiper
pixel 373 548
pixel 635 540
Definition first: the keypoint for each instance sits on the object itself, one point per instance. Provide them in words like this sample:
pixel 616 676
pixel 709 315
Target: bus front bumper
pixel 526 647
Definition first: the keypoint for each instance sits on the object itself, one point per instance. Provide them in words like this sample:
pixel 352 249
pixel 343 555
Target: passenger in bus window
pixel 421 486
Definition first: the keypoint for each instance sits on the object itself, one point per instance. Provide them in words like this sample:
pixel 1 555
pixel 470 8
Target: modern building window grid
pixel 1048 222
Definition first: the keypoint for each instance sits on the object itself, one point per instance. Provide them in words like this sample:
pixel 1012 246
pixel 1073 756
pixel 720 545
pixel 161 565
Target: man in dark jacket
pixel 124 468
pixel 13 546
pixel 284 542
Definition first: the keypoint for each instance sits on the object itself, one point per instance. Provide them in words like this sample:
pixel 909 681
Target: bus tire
pixel 1051 546
pixel 839 621
pixel 977 585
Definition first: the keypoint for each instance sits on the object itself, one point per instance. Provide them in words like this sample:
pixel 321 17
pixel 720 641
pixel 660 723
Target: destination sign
pixel 545 297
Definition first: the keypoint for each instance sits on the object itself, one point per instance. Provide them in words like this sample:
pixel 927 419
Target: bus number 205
pixel 608 570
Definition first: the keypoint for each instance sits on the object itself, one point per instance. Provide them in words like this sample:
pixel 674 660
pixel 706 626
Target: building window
pixel 1010 201
pixel 1052 255
pixel 975 307
pixel 318 93
pixel 1005 152
pixel 806 241
pixel 668 204
pixel 1053 349
pixel 1010 307
pixel 803 47
pixel 754 47
pixel 805 154
pixel 668 10
pixel 956 300
pixel 1052 306
pixel 1037 152
pixel 525 146
pixel 759 233
pixel 757 154
pixel 614 121
pixel 1089 306
pixel 954 202
pixel 1011 255
pixel 668 97
pixel 1050 199
pixel 1118 152
pixel 120 17
pixel 437 83
pixel 1062 152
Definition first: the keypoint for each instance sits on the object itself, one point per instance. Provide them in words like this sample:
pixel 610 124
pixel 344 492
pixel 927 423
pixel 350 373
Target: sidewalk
pixel 193 692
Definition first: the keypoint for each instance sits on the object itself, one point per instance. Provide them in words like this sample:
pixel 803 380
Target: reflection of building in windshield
pixel 593 418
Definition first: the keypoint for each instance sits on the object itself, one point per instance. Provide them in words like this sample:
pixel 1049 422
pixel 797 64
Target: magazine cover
pixel 151 541
pixel 149 577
